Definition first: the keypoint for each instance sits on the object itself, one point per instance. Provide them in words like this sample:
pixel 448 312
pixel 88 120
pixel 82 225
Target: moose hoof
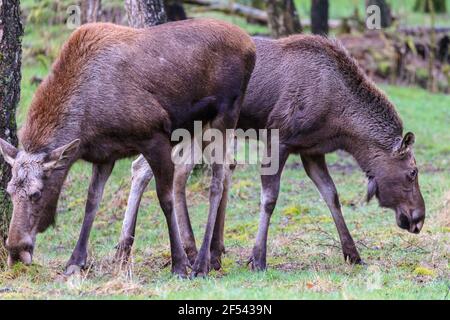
pixel 72 270
pixel 216 263
pixel 200 269
pixel 198 274
pixel 122 255
pixel 180 272
pixel 191 255
pixel 256 265
pixel 354 259
pixel 180 269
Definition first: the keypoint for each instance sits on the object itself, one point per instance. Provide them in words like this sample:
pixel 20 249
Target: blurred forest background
pixel 408 56
pixel 411 49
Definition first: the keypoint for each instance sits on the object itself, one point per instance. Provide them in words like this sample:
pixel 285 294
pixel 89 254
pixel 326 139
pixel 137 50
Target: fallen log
pixel 251 14
pixel 414 31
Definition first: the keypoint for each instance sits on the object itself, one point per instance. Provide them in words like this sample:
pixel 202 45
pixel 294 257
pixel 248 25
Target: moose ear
pixel 408 140
pixel 60 158
pixel 371 189
pixel 8 151
pixel 405 145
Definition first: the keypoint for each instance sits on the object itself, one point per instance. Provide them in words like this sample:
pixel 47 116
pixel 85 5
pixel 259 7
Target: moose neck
pixel 373 128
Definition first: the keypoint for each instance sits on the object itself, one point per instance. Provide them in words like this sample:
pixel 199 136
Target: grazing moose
pixel 116 92
pixel 310 89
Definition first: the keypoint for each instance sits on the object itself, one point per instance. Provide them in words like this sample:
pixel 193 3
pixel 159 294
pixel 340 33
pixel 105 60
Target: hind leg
pixel 225 120
pixel 141 175
pixel 158 155
pixel 270 188
pixel 217 243
pixel 182 173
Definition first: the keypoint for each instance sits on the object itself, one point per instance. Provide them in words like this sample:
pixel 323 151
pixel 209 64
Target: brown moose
pixel 115 92
pixel 310 89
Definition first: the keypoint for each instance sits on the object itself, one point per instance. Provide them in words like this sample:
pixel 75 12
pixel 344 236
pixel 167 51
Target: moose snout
pixel 20 251
pixel 412 222
pixel 418 219
pixel 23 256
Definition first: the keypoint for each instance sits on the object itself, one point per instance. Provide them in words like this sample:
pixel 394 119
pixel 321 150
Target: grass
pixel 304 258
pixel 403 9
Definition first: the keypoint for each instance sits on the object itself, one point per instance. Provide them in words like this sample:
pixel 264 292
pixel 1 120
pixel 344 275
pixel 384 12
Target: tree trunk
pixel 319 17
pixel 283 18
pixel 11 32
pixel 90 10
pixel 432 84
pixel 145 13
pixel 440 6
pixel 175 10
pixel 385 10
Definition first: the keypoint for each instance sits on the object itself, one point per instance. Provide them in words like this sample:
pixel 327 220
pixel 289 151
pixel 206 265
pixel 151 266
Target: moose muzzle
pixel 20 251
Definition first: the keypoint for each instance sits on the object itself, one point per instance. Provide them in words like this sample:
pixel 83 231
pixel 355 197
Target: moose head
pixel 34 188
pixel 395 183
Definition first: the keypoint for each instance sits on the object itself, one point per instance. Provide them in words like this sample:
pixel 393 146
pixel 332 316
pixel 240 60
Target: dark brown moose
pixel 310 89
pixel 116 92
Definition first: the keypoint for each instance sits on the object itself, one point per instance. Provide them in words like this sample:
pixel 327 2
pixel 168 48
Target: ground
pixel 304 257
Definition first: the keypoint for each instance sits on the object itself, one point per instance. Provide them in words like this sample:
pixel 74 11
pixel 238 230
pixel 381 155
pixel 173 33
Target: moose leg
pixel 141 175
pixel 201 265
pixel 270 188
pixel 317 170
pixel 158 155
pixel 217 242
pixel 100 174
pixel 223 122
pixel 182 173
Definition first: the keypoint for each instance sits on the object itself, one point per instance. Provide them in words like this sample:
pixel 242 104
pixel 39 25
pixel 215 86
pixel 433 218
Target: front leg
pixel 317 170
pixel 100 175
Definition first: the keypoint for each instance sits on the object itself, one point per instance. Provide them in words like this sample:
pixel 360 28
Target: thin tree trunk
pixel 432 86
pixel 385 10
pixel 90 10
pixel 319 17
pixel 145 13
pixel 11 31
pixel 439 6
pixel 283 18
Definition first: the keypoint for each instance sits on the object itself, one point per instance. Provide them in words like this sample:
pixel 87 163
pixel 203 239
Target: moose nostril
pixel 404 222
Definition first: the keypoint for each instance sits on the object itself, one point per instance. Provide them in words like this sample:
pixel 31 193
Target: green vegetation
pixel 402 9
pixel 304 257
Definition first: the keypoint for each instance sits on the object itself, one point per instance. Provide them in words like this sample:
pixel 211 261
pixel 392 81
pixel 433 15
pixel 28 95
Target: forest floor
pixel 304 256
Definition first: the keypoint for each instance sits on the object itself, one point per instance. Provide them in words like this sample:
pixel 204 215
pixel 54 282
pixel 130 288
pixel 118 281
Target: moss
pixel 385 67
pixel 422 271
pixel 422 73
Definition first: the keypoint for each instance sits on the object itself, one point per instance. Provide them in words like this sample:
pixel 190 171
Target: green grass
pixel 304 258
pixel 403 9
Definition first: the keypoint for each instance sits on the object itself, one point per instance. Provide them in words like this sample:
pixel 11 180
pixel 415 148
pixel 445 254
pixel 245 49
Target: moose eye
pixel 35 196
pixel 413 174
